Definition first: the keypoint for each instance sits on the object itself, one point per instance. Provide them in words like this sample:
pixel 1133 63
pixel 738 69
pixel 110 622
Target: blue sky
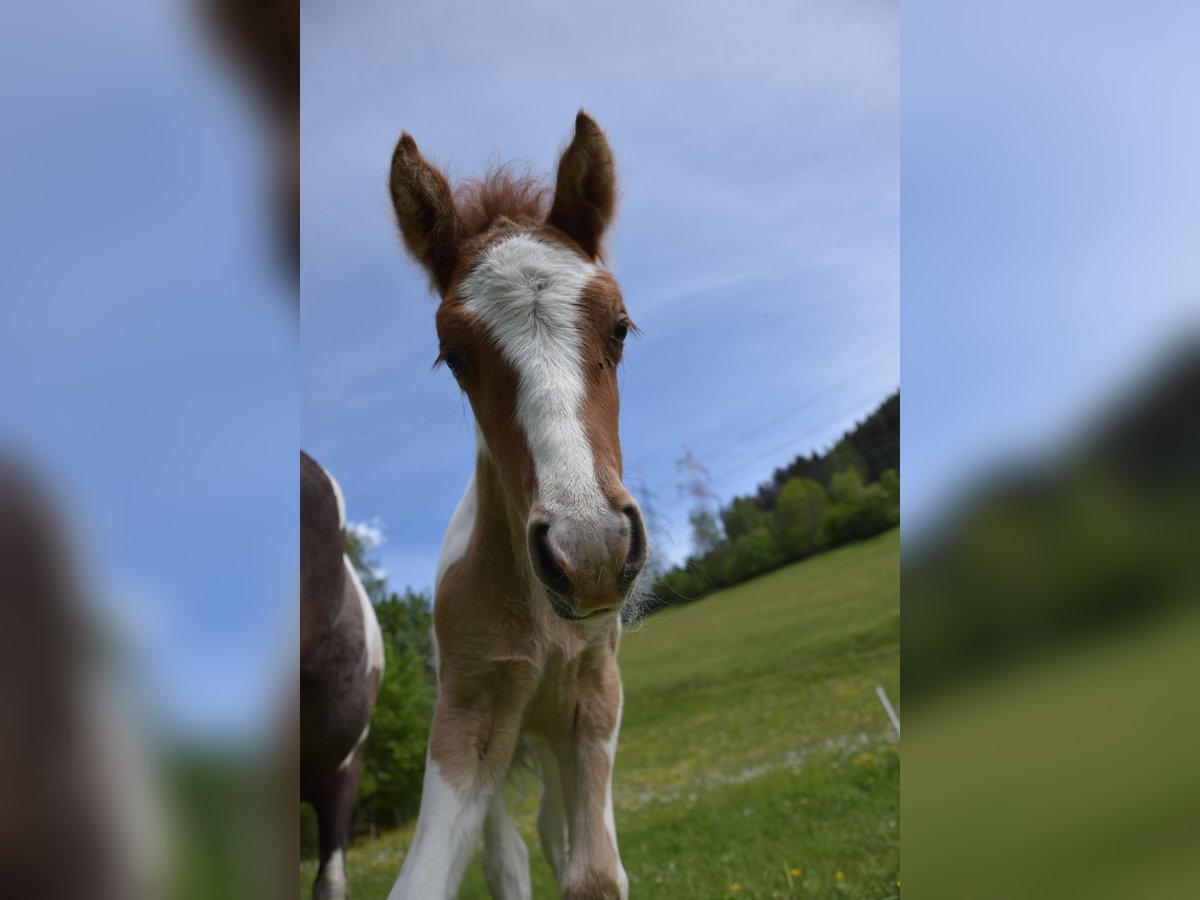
pixel 757 244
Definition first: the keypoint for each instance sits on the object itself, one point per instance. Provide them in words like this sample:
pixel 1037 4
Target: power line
pixel 824 463
pixel 823 471
pixel 754 460
pixel 808 401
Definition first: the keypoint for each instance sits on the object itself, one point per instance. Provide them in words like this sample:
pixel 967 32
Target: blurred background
pixel 148 433
pixel 757 249
pixel 1051 498
pixel 150 379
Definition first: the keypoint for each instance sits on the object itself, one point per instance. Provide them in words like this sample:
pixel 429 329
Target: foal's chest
pixel 574 681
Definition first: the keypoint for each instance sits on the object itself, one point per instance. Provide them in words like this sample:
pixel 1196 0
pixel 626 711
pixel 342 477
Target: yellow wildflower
pixel 840 876
pixel 734 888
pixel 795 871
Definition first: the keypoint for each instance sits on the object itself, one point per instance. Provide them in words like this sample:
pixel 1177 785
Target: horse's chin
pixel 564 611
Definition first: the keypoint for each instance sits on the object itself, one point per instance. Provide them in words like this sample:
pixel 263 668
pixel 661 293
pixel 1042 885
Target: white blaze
pixel 526 293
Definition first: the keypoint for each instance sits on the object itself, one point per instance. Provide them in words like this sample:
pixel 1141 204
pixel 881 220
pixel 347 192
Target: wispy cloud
pixel 370 534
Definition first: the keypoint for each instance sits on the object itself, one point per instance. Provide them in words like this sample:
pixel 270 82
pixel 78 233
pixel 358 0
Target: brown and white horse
pixel 546 545
pixel 341 664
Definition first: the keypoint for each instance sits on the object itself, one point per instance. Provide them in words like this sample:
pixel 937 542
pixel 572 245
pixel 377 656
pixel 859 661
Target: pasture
pixel 755 759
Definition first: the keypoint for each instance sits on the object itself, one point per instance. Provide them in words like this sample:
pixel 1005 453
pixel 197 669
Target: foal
pixel 546 543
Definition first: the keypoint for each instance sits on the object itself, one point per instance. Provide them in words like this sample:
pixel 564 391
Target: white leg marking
pixel 447 831
pixel 372 636
pixel 610 822
pixel 331 883
pixel 362 739
pixel 505 856
pixel 527 294
pixel 131 803
pixel 552 813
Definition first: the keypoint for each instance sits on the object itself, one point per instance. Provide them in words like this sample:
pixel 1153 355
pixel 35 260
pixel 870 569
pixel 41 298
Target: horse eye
pixel 620 332
pixel 454 363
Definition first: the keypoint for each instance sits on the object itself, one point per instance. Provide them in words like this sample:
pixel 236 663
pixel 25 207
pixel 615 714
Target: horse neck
pixel 499 540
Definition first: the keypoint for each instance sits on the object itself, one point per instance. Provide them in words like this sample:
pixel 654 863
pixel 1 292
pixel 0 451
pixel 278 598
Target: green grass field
pixel 755 759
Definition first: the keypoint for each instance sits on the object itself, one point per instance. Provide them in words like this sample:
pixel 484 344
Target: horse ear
pixel 425 212
pixel 585 195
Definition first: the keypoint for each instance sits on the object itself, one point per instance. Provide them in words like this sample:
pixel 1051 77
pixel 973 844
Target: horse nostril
pixel 549 569
pixel 636 557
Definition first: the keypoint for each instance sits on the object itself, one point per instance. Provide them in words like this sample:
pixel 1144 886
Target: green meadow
pixel 755 759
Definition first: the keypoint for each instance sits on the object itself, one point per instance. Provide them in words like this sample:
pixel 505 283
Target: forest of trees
pixel 814 503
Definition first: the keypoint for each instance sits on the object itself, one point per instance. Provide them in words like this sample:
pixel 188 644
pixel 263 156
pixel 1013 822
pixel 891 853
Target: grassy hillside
pixel 755 759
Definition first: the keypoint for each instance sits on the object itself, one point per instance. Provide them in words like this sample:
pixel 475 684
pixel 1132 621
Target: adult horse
pixel 546 544
pixel 341 664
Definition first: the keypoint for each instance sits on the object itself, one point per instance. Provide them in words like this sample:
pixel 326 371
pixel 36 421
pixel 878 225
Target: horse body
pixel 341 664
pixel 546 544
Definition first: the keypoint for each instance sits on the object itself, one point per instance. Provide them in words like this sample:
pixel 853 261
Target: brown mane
pixel 504 192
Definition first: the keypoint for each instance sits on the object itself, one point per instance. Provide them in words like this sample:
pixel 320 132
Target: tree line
pixel 816 502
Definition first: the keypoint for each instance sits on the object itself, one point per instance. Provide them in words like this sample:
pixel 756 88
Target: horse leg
pixel 471 747
pixel 594 870
pixel 505 856
pixel 552 814
pixel 335 807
